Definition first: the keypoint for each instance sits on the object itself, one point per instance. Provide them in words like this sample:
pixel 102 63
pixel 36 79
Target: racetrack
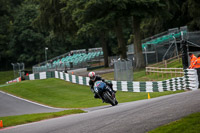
pixel 138 117
pixel 11 105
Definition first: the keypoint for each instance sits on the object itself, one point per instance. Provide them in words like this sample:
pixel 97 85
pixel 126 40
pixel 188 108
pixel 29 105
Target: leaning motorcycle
pixel 105 93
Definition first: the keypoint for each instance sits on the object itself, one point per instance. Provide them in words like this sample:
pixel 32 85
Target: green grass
pixel 6 76
pixel 176 64
pixel 108 76
pixel 53 92
pixel 98 69
pixel 59 93
pixel 189 124
pixel 28 118
pixel 140 75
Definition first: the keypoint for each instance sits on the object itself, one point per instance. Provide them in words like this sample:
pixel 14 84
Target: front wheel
pixel 110 99
pixel 116 102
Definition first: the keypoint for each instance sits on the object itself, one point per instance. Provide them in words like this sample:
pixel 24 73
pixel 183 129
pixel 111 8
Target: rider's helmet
pixel 92 76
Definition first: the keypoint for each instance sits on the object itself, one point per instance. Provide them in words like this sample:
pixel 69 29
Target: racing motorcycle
pixel 105 93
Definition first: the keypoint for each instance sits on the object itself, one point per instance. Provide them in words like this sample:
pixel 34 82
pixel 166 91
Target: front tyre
pixel 109 99
pixel 116 102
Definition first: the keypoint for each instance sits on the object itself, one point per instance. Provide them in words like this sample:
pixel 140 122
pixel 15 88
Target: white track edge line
pixel 31 101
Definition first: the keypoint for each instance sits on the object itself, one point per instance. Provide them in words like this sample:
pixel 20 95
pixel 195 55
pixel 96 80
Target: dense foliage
pixel 28 26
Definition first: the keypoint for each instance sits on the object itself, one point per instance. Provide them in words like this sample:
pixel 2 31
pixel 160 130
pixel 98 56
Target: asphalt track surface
pixel 11 105
pixel 133 117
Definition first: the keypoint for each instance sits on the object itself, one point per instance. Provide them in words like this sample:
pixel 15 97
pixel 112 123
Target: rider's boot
pixel 111 86
pixel 96 96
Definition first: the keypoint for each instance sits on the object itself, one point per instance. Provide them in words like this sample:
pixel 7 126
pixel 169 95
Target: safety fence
pixel 165 72
pixel 188 81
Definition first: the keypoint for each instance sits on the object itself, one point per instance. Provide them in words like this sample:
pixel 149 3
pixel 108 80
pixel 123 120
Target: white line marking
pixel 31 101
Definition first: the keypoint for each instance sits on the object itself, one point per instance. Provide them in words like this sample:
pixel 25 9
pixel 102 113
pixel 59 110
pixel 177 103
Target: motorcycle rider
pixel 93 78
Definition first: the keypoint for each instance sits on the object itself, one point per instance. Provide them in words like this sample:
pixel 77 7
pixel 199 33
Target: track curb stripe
pixel 188 81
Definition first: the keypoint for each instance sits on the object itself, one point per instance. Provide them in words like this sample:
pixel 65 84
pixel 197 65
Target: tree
pixel 91 30
pixel 83 16
pixel 140 9
pixel 7 9
pixel 106 14
pixel 64 25
pixel 26 42
pixel 115 12
pixel 194 12
pixel 176 15
pixel 55 19
pixel 70 20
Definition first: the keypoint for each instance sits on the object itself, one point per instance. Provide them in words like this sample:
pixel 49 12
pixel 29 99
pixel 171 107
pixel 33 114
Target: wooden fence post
pixel 165 65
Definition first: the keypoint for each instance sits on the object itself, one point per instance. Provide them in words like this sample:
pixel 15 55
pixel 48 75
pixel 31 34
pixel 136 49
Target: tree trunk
pixel 120 39
pixel 139 58
pixel 104 46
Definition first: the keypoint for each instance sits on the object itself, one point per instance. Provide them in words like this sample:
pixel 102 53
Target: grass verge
pixel 6 76
pixel 141 76
pixel 28 118
pixel 189 124
pixel 62 94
